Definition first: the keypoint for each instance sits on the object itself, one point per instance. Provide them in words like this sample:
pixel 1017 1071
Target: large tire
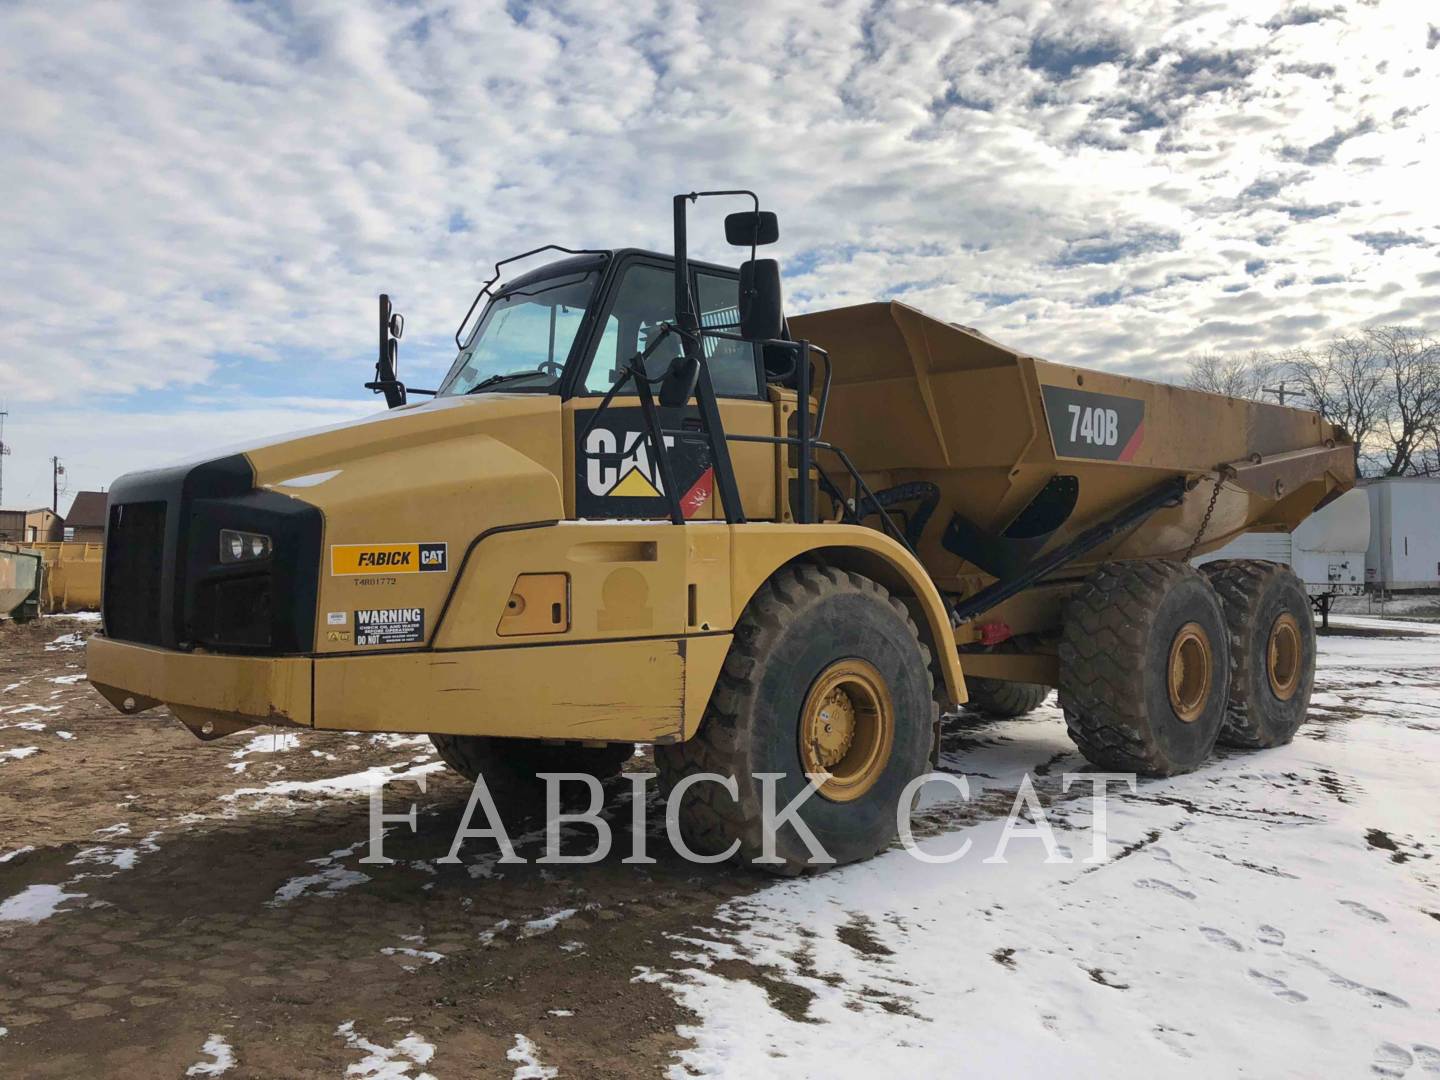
pixel 509 766
pixel 806 628
pixel 1004 699
pixel 1272 651
pixel 1144 667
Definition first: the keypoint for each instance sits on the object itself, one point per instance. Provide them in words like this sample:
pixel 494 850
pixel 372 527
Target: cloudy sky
pixel 201 199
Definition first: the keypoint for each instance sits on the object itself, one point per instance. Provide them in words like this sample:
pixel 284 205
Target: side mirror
pixel 751 228
pixel 762 315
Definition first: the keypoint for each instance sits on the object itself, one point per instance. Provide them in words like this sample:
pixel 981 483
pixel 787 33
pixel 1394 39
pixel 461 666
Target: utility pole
pixel 4 450
pixel 56 471
pixel 1282 393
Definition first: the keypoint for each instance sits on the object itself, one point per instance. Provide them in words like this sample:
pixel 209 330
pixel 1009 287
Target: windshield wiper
pixel 496 380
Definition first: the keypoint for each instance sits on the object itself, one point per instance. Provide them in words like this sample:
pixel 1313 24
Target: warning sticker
pixel 389 626
pixel 352 559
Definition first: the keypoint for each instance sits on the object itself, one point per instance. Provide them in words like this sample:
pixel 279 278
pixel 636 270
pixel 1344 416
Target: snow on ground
pixel 1272 914
pixel 525 1055
pixel 387 1062
pixel 223 1058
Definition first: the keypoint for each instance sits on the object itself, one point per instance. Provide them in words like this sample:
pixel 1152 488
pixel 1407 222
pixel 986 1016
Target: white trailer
pixel 1326 551
pixel 1404 549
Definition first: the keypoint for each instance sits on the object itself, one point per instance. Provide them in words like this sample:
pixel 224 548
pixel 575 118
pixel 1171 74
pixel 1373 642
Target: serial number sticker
pixel 353 559
pixel 389 626
pixel 336 618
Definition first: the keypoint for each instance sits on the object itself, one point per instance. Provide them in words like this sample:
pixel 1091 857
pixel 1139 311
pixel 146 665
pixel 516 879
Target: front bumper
pixel 641 690
pixel 212 695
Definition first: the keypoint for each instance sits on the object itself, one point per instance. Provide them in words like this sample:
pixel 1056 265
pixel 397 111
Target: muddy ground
pixel 193 911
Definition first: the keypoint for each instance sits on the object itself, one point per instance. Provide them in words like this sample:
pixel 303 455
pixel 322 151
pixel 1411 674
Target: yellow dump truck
pixel 645 507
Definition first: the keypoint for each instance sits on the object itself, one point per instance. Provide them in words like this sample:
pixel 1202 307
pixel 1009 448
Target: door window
pixel 644 300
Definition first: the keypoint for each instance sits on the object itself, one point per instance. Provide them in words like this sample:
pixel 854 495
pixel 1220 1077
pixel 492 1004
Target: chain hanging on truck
pixel 1205 521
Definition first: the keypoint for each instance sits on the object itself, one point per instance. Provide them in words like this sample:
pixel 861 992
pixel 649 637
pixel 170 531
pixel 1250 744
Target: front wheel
pixel 826 673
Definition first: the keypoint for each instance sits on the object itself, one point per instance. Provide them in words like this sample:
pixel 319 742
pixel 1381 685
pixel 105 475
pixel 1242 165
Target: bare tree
pixel 1342 382
pixel 1409 362
pixel 1234 375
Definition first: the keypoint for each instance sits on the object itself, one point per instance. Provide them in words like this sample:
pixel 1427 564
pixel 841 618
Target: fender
pixel 758 550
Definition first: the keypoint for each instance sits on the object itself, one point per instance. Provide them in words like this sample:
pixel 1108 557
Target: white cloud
pixel 203 190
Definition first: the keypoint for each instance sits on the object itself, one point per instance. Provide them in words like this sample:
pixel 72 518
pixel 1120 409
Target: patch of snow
pixel 525 1054
pixel 74 616
pixel 19 752
pixel 349 784
pixel 417 954
pixel 30 725
pixel 18 851
pixel 543 925
pixel 332 878
pixel 387 1062
pixel 273 742
pixel 66 641
pixel 219 1049
pixel 66 735
pixel 33 708
pixel 35 903
pixel 12 686
pixel 1249 916
pixel 560 1012
pixel 68 680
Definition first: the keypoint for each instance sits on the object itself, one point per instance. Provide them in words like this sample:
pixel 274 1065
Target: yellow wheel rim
pixel 847 729
pixel 1282 656
pixel 1190 671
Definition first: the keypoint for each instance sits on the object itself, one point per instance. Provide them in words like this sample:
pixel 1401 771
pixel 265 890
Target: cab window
pixel 644 299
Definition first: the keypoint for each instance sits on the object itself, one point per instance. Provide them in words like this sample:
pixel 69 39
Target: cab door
pixel 614 476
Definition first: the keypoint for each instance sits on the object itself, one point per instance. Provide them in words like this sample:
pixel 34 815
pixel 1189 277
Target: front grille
pixel 134 567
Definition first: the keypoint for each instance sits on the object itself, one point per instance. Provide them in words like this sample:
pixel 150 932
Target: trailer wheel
pixel 1004 699
pixel 1144 668
pixel 826 673
pixel 509 766
pixel 1272 651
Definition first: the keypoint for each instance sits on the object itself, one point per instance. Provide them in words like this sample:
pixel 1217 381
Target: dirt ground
pixel 189 913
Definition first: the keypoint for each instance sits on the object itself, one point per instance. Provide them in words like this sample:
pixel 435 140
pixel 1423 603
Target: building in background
pixel 42 526
pixel 86 521
pixel 1404 551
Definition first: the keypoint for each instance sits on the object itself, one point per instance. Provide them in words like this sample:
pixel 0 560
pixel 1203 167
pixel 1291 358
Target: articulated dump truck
pixel 643 506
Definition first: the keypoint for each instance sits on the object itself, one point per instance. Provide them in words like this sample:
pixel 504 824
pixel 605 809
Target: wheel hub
pixel 847 728
pixel 1189 672
pixel 1282 656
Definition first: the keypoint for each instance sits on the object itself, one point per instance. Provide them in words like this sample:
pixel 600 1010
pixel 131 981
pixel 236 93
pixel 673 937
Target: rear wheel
pixel 509 766
pixel 1004 699
pixel 1272 649
pixel 1144 667
pixel 826 673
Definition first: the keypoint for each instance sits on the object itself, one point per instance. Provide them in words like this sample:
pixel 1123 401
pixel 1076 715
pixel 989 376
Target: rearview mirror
pixel 751 228
pixel 762 315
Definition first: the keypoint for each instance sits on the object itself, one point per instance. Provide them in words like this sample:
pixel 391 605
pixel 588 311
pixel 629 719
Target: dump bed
pixel 1026 453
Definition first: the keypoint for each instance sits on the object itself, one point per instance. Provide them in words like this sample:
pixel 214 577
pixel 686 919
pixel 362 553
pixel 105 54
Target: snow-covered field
pixel 1275 914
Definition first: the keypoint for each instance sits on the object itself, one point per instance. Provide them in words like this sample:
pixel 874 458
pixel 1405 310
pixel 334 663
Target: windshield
pixel 523 339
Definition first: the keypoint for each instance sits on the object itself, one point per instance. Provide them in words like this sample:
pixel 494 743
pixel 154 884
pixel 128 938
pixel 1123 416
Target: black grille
pixel 134 565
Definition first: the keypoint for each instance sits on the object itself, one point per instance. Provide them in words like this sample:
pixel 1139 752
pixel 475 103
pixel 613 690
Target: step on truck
pixel 644 506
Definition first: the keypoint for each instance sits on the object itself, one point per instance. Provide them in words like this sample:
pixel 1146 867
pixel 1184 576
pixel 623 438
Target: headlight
pixel 236 546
